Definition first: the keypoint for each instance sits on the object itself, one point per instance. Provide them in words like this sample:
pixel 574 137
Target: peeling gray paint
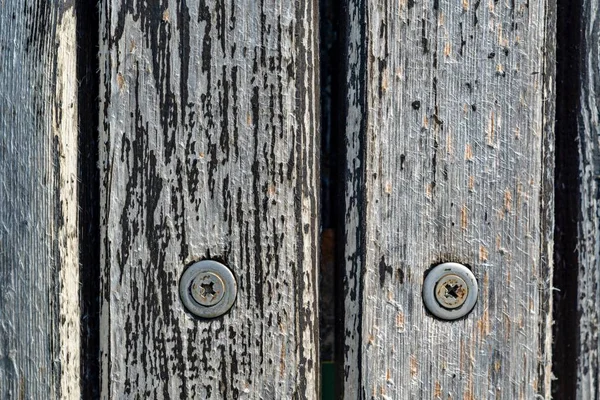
pixel 209 135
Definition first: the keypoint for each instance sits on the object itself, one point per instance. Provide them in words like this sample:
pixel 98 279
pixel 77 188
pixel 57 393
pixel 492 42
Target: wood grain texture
pixel 449 129
pixel 588 246
pixel 39 271
pixel 209 135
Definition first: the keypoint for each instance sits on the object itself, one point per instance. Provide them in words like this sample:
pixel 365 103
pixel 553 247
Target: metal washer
pixel 229 289
pixel 429 286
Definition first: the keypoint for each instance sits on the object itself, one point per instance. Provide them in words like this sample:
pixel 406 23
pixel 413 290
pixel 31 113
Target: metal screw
pixel 208 289
pixel 450 291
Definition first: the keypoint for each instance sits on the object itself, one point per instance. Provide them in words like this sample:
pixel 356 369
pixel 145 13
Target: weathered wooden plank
pixel 209 133
pixel 588 245
pixel 39 312
pixel 449 129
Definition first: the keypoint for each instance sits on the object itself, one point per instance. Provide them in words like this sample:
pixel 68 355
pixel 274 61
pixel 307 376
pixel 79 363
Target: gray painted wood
pixel 588 368
pixel 39 272
pixel 209 136
pixel 449 129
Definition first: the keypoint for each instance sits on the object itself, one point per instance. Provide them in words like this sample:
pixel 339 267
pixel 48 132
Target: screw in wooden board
pixel 450 291
pixel 208 289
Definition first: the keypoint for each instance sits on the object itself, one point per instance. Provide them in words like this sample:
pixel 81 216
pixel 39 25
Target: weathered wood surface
pixel 39 312
pixel 588 246
pixel 449 124
pixel 209 136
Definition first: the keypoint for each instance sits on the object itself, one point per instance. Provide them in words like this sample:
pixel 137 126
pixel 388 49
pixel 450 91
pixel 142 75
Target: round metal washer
pixel 440 274
pixel 202 271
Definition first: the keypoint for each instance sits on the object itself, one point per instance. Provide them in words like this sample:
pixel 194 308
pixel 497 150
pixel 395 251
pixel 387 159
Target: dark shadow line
pixel 567 200
pixel 88 25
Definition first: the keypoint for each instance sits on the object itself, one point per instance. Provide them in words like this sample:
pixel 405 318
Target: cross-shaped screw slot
pixel 451 291
pixel 207 289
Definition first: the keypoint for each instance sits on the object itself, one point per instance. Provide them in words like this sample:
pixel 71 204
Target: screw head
pixel 450 291
pixel 208 289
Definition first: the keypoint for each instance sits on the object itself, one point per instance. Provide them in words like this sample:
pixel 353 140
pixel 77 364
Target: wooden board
pixel 449 129
pixel 588 245
pixel 39 271
pixel 209 136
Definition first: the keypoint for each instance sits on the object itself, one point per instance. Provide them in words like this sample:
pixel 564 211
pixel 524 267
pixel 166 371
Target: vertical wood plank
pixel 449 129
pixel 209 140
pixel 39 271
pixel 588 246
